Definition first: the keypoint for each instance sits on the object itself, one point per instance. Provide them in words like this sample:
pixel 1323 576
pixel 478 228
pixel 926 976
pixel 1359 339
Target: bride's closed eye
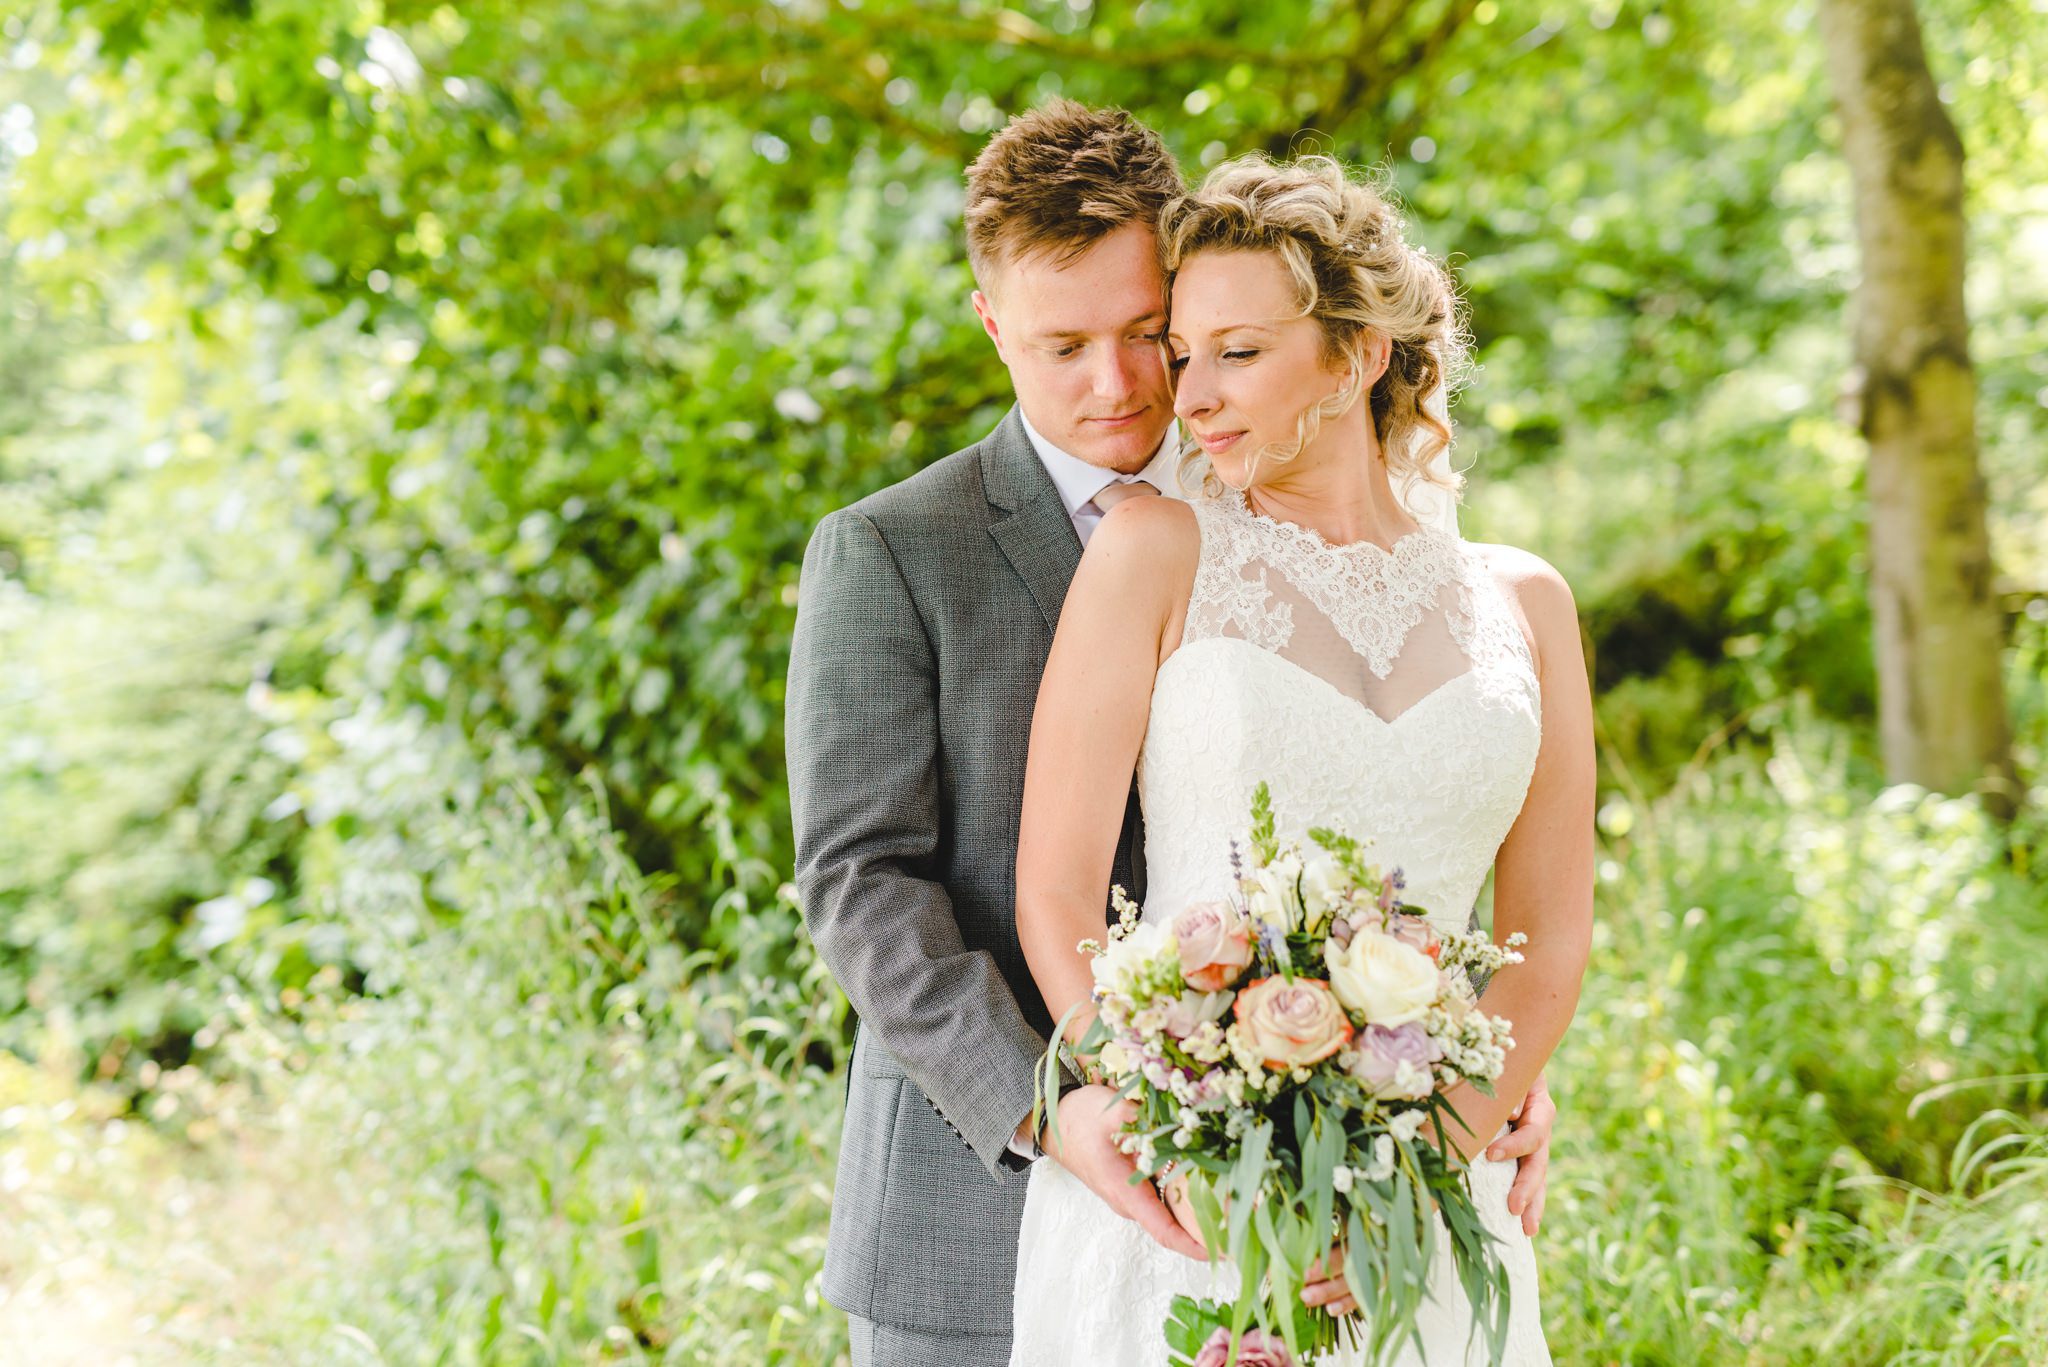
pixel 1237 354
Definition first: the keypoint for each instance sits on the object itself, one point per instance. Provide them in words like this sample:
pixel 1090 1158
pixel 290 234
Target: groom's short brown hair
pixel 1059 179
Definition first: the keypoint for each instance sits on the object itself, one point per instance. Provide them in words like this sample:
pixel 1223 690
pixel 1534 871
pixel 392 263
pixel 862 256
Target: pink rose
pixel 1215 945
pixel 1380 1054
pixel 1292 1024
pixel 1415 932
pixel 1256 1349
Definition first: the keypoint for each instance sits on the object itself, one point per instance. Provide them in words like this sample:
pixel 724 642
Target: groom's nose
pixel 1114 375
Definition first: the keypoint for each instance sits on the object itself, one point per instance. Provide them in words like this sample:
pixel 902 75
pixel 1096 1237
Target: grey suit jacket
pixel 925 617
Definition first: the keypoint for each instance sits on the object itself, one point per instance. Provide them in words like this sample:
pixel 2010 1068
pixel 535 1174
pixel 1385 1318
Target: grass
pixel 1802 1109
pixel 1759 1092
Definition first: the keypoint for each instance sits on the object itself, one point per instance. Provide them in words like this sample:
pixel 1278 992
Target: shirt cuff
pixel 1021 1143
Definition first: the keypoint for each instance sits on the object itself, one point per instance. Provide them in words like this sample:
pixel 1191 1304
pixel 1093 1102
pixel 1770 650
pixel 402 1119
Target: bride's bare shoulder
pixel 1149 537
pixel 1146 550
pixel 1550 615
pixel 1516 569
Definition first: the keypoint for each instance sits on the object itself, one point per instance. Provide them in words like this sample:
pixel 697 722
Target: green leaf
pixel 1189 1325
pixel 1264 842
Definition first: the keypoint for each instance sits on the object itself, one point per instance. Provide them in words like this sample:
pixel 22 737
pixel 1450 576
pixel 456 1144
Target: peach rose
pixel 1291 1024
pixel 1215 945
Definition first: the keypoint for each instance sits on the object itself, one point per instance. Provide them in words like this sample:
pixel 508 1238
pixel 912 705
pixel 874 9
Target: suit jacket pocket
pixel 870 1059
pixel 853 1248
pixel 947 1255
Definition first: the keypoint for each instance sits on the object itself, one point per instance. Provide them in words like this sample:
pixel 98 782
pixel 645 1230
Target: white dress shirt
pixel 1079 482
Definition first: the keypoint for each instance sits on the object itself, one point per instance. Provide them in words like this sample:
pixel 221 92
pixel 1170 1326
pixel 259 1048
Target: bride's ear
pixel 1367 364
pixel 1375 356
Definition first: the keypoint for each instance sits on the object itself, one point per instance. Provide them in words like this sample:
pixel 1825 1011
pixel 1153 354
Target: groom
pixel 926 614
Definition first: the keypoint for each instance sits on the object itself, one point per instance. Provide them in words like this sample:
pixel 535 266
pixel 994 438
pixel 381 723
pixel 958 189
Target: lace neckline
pixel 1372 594
pixel 1314 543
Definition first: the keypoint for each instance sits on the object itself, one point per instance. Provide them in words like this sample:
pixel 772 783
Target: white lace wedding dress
pixel 1387 691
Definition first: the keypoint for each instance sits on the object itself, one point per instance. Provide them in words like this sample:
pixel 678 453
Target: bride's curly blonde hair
pixel 1355 274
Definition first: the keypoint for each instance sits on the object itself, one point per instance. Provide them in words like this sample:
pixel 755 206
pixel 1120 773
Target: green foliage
pixel 601 308
pixel 546 1104
pixel 411 417
pixel 538 1105
pixel 1785 980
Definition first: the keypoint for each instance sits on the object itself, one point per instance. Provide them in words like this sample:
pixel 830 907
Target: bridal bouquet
pixel 1286 1049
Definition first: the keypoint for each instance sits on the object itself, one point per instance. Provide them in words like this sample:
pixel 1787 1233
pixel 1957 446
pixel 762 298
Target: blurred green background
pixel 411 419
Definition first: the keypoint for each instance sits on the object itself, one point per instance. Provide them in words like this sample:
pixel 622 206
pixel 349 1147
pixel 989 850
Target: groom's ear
pixel 985 309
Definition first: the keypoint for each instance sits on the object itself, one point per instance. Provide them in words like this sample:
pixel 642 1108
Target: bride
pixel 1298 623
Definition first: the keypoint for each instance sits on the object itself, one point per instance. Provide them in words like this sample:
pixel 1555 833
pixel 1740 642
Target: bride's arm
pixel 1543 876
pixel 1121 619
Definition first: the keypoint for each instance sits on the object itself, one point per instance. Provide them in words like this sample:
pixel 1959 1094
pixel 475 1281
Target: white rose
pixel 1385 981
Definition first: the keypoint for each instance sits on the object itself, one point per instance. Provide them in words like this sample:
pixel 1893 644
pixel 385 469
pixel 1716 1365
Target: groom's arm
pixel 862 738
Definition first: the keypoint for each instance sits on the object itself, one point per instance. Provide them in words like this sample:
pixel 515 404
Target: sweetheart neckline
pixel 1363 708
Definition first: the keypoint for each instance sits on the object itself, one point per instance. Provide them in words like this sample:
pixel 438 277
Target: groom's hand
pixel 1091 1117
pixel 1529 1142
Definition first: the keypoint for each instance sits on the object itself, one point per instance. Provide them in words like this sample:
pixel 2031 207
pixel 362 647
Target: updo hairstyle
pixel 1354 273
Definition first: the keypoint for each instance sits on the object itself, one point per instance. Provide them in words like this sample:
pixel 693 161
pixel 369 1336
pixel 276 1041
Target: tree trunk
pixel 1942 710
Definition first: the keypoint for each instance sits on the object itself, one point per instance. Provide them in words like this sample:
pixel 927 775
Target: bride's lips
pixel 1217 442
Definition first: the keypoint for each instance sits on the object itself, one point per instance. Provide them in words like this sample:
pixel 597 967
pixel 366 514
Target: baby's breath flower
pixel 1380 1162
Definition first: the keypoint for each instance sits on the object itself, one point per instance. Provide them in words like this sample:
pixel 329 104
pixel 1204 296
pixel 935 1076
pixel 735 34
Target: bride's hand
pixel 1091 1120
pixel 1329 1291
pixel 1174 1190
pixel 1528 1143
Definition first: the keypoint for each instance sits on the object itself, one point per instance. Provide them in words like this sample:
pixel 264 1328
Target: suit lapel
pixel 1033 530
pixel 1037 536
